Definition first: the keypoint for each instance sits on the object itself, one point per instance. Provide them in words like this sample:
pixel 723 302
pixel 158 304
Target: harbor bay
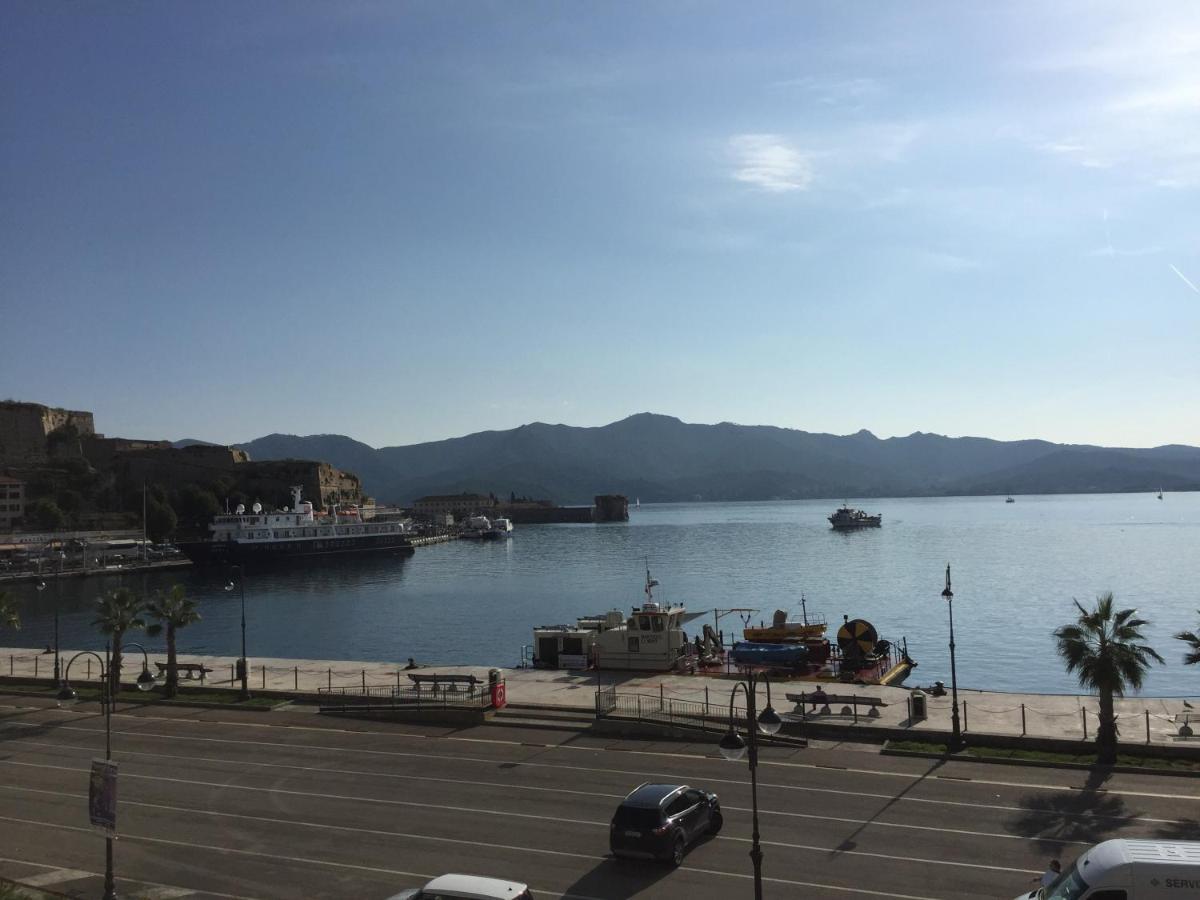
pixel 1016 568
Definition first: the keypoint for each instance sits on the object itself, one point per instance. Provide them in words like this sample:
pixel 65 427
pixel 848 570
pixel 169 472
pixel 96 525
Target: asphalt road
pixel 289 804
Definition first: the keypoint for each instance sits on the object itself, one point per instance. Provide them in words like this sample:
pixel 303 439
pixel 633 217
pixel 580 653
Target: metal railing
pixel 705 715
pixel 388 696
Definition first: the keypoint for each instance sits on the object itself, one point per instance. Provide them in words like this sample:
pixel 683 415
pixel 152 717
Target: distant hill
pixel 660 458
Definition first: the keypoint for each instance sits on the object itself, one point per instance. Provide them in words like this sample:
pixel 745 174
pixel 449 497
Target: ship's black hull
pixel 204 553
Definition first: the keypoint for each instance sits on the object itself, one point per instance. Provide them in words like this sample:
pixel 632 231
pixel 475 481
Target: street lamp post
pixel 244 694
pixel 67 695
pixel 956 739
pixel 733 748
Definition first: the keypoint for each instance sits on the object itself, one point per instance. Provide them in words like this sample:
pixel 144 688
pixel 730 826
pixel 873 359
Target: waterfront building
pixel 12 501
pixel 457 505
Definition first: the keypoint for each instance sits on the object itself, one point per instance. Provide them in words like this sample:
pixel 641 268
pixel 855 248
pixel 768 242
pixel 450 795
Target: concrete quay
pixel 1143 720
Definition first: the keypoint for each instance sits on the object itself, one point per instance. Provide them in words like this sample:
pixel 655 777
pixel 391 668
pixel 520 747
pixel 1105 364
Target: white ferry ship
pixel 299 531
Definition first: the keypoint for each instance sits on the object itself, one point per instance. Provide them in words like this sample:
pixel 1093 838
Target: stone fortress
pixel 33 436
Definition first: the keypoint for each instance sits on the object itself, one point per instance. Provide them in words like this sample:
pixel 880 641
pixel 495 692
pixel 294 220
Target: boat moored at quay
pixel 298 531
pixel 651 638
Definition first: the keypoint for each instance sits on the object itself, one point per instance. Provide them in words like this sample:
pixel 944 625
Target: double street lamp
pixel 66 696
pixel 734 748
pixel 956 739
pixel 243 669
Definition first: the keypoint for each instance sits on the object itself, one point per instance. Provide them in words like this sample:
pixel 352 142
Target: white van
pixel 1129 870
pixel 468 887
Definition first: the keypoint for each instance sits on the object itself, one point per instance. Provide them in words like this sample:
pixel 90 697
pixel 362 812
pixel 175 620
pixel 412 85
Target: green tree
pixel 1192 639
pixel 1104 650
pixel 44 514
pixel 118 611
pixel 196 506
pixel 160 520
pixel 173 610
pixel 8 612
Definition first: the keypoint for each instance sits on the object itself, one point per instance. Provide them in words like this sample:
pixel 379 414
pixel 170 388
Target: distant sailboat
pixel 1010 500
pixel 1160 493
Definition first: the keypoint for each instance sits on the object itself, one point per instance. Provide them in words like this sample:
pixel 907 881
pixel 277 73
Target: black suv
pixel 660 821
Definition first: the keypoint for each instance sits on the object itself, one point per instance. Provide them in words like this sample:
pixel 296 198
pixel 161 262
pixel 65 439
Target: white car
pixel 467 887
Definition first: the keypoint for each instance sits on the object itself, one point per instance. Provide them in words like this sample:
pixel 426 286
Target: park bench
pixel 436 682
pixel 192 669
pixel 848 702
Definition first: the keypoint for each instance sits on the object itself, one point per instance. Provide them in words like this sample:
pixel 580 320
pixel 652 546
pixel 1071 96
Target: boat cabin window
pixel 657 621
pixel 644 623
pixel 631 624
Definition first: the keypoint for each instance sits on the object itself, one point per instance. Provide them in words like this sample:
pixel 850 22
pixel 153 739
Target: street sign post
pixel 102 796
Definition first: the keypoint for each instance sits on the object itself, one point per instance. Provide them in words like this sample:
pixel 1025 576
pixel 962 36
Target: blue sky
pixel 409 221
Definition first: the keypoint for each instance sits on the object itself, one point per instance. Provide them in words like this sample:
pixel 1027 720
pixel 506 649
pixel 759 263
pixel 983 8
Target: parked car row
pixel 655 821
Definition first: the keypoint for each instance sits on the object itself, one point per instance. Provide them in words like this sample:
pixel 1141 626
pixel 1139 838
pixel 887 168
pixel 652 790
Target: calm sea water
pixel 1016 568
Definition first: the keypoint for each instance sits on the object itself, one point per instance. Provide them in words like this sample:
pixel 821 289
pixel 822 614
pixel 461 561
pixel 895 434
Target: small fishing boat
pixel 846 519
pixel 1010 500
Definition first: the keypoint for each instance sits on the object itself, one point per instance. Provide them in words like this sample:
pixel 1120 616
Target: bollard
pixel 1147 726
pixel 1083 716
pixel 1022 720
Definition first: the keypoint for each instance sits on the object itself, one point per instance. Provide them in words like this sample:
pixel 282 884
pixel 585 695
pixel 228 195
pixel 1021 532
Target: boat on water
pixel 1160 493
pixel 802 650
pixel 1010 500
pixel 502 527
pixel 289 532
pixel 847 518
pixel 650 638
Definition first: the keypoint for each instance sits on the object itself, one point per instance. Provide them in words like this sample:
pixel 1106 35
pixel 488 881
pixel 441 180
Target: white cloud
pixel 770 163
pixel 844 92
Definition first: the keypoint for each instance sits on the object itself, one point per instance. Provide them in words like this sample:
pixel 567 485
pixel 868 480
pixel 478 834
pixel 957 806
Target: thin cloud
pixel 1183 278
pixel 770 163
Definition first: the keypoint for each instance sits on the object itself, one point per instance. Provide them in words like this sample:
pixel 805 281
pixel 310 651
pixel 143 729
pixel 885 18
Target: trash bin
pixel 916 705
pixel 496 683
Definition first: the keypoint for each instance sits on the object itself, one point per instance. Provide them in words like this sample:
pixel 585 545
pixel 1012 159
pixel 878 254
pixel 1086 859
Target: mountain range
pixel 659 459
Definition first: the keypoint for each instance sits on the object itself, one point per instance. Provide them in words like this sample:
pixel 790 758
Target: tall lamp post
pixel 244 693
pixel 734 748
pixel 956 739
pixel 41 586
pixel 67 696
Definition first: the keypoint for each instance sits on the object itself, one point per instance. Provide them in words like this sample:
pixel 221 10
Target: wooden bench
pixel 849 703
pixel 438 682
pixel 192 669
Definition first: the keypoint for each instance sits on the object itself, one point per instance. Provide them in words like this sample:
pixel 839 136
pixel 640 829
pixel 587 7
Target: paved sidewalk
pixel 1142 719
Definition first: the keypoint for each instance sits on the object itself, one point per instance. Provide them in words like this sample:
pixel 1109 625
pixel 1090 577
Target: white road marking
pixel 589 769
pixel 912 778
pixel 379 870
pixel 55 876
pixel 476 810
pixel 83 874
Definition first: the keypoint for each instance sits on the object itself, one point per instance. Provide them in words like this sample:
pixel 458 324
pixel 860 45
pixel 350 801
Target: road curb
pixel 1034 763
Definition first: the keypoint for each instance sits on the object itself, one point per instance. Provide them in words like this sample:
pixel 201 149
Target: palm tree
pixel 8 612
pixel 1104 650
pixel 1192 638
pixel 173 610
pixel 118 611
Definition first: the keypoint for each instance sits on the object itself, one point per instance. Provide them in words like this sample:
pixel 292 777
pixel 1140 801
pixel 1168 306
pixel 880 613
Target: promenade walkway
pixel 1142 719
